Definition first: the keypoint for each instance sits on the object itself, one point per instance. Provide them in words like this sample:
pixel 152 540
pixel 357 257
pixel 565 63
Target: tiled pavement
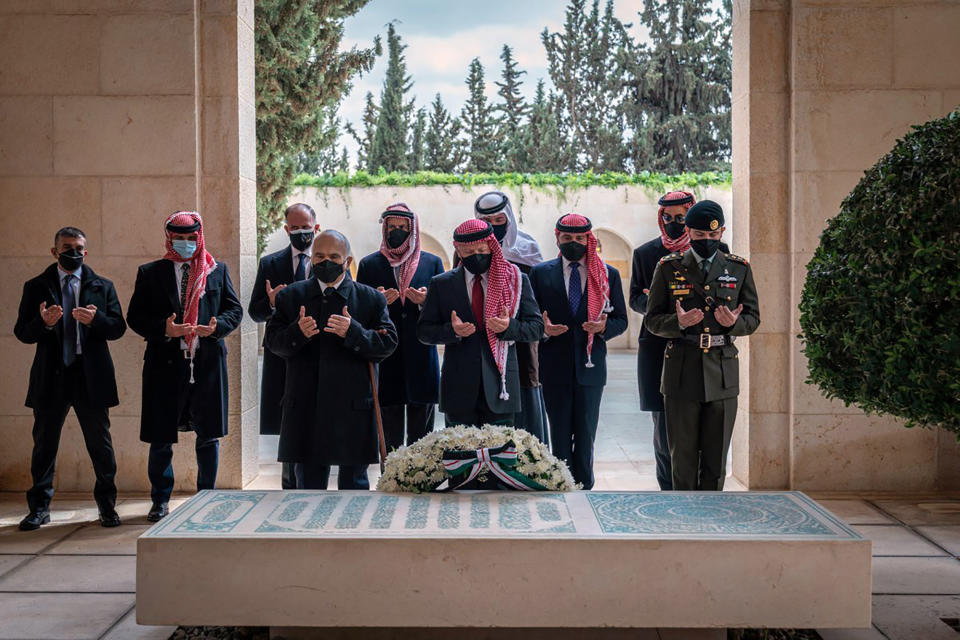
pixel 73 579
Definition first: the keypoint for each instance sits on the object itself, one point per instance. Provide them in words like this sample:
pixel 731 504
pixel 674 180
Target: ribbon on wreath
pixel 464 466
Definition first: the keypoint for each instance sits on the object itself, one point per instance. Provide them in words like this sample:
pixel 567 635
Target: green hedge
pixel 881 305
pixel 560 181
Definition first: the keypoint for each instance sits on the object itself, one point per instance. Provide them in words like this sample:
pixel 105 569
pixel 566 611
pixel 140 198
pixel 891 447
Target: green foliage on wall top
pixel 881 304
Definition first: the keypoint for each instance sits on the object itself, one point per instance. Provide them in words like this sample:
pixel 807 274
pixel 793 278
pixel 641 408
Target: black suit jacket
pixel 46 374
pixel 276 267
pixel 468 362
pixel 328 401
pixel 165 371
pixel 650 347
pixel 412 372
pixel 563 358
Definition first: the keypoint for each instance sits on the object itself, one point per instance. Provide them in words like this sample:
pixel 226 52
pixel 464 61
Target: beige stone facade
pixel 822 89
pixel 113 114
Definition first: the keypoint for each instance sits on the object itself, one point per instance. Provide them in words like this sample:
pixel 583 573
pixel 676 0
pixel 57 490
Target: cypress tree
pixel 513 111
pixel 479 124
pixel 443 148
pixel 365 140
pixel 389 146
pixel 416 153
pixel 300 74
pixel 678 99
pixel 542 146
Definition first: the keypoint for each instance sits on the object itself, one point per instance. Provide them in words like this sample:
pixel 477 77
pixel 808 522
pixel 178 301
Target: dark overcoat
pixel 563 358
pixel 278 269
pixel 468 362
pixel 328 413
pixel 46 373
pixel 650 347
pixel 412 373
pixel 165 370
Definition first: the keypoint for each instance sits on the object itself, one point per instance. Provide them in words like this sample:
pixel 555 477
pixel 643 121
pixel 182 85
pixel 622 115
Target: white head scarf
pixel 517 246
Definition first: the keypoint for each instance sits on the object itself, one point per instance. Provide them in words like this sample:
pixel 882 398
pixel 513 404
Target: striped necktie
pixel 573 290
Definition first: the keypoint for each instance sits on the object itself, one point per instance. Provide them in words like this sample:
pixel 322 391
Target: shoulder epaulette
pixel 737 258
pixel 671 256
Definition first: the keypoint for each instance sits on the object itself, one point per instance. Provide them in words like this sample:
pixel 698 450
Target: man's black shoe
pixel 109 518
pixel 34 519
pixel 157 511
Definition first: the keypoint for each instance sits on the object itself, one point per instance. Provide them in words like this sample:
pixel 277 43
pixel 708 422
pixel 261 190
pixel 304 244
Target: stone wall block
pixel 26 135
pixel 221 137
pixel 117 136
pixel 219 55
pixel 769 451
pixel 817 198
pixel 49 204
pixel 927 46
pixel 134 209
pixel 770 355
pixel 49 55
pixel 769 51
pixel 831 45
pixel 132 44
pixel 769 213
pixel 772 276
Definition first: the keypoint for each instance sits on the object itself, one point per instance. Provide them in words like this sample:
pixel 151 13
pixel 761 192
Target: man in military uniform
pixel 701 300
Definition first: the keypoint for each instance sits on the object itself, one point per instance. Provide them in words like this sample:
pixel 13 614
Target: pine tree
pixel 513 111
pixel 542 146
pixel 443 148
pixel 300 73
pixel 328 159
pixel 678 101
pixel 583 63
pixel 479 124
pixel 390 140
pixel 415 154
pixel 365 140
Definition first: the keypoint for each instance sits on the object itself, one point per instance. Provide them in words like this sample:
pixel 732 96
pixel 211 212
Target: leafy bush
pixel 881 304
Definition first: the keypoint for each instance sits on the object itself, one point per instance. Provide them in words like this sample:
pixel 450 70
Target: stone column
pixel 822 89
pixel 112 115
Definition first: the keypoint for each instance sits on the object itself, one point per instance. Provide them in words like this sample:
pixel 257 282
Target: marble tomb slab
pixel 492 559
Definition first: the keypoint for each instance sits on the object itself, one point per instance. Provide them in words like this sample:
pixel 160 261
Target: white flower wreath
pixel 419 468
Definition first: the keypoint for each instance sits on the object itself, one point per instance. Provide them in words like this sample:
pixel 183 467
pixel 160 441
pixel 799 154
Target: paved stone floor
pixel 73 579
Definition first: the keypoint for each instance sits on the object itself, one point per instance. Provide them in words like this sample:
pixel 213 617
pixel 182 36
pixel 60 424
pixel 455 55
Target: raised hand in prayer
pixel 308 326
pixel 175 330
pixel 339 324
pixel 596 326
pixel 726 317
pixel 50 315
pixel 392 295
pixel 688 318
pixel 85 315
pixel 205 330
pixel 552 329
pixel 417 296
pixel 272 292
pixel 499 323
pixel 461 328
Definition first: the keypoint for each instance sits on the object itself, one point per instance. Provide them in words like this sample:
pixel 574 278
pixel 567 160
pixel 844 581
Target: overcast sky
pixel 443 36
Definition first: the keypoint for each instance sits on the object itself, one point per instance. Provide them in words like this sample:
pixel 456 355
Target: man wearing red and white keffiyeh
pixel 582 303
pixel 479 328
pixel 183 305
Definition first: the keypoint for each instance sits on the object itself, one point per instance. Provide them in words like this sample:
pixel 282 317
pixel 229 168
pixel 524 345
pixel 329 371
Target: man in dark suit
pixel 70 313
pixel 183 305
pixel 276 271
pixel 410 377
pixel 478 311
pixel 582 303
pixel 673 237
pixel 329 329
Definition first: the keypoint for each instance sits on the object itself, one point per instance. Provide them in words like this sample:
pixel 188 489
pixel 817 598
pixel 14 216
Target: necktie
pixel 69 322
pixel 184 281
pixel 704 268
pixel 477 301
pixel 301 273
pixel 573 290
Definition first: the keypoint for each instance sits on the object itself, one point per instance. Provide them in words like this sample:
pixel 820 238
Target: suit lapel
pixel 461 301
pixel 716 267
pixel 283 263
pixel 53 282
pixel 168 282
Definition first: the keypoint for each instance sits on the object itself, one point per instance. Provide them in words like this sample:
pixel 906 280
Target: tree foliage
pixel 513 111
pixel 301 74
pixel 444 151
pixel 388 148
pixel 882 295
pixel 479 123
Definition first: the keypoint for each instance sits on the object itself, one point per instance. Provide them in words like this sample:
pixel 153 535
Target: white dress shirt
pixel 294 256
pixel 469 280
pixel 76 298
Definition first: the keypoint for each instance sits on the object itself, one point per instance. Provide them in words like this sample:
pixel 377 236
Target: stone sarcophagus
pixel 583 559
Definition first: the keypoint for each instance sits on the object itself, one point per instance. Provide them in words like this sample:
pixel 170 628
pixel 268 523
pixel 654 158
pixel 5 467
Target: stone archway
pixel 430 244
pixel 616 251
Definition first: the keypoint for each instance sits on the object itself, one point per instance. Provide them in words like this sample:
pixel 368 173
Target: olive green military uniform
pixel 701 369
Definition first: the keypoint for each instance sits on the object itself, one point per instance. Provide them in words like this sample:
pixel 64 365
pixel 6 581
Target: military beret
pixel 706 215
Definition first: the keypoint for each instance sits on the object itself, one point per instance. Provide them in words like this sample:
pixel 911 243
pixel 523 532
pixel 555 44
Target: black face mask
pixel 499 231
pixel 705 248
pixel 674 229
pixel 327 271
pixel 396 237
pixel 572 251
pixel 70 260
pixel 301 239
pixel 477 263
